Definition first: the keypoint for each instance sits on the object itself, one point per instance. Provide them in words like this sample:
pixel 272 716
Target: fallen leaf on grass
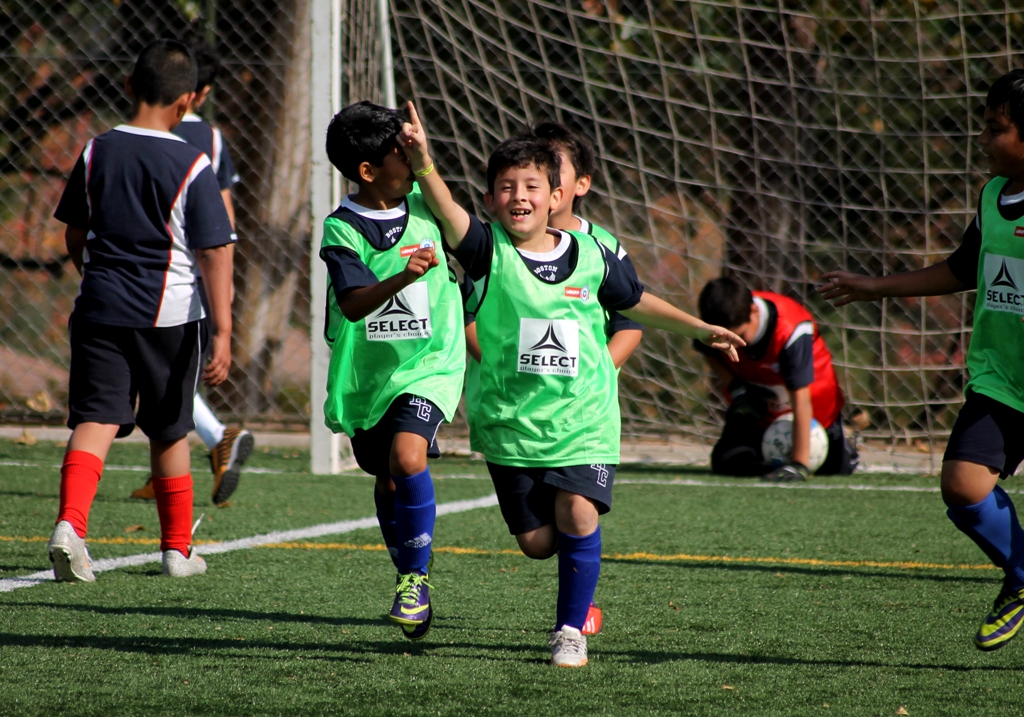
pixel 134 528
pixel 902 711
pixel 728 687
pixel 26 438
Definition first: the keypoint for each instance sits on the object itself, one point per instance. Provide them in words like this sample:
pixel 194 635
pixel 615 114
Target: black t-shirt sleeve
pixel 796 362
pixel 474 252
pixel 206 219
pixel 73 208
pixel 347 271
pixel 616 321
pixel 963 262
pixel 620 289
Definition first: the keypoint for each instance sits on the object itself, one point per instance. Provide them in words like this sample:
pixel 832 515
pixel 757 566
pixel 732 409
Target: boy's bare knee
pixel 965 483
pixel 408 454
pixel 575 514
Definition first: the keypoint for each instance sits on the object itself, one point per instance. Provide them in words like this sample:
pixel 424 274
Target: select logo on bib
pixel 575 292
pixel 1003 276
pixel 549 346
pixel 406 315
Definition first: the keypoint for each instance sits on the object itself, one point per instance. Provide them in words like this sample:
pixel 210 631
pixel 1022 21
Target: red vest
pixel 826 396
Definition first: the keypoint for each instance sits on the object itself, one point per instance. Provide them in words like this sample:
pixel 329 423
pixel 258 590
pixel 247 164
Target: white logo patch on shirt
pixel 549 346
pixel 1003 281
pixel 406 315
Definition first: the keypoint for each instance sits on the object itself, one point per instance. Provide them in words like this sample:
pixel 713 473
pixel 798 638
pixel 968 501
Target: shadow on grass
pixel 993 577
pixel 367 650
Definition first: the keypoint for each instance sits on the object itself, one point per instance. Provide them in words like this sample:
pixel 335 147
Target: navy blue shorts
pixel 113 366
pixel 987 432
pixel 526 496
pixel 406 414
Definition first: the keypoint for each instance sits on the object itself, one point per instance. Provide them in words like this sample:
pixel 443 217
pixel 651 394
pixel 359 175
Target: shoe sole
pixel 406 622
pixel 571 667
pixel 240 453
pixel 62 570
pixel 415 635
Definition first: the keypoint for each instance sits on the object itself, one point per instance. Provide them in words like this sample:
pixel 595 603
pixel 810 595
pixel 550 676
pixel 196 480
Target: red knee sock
pixel 79 476
pixel 174 504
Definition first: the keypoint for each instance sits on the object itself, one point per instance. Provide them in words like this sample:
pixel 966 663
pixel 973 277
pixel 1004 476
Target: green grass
pixel 274 631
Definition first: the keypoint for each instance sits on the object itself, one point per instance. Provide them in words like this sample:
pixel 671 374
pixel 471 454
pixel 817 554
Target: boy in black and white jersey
pixel 144 220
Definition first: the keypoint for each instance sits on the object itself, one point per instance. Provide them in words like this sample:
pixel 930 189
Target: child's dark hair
pixel 207 62
pixel 576 144
pixel 165 71
pixel 725 302
pixel 1007 94
pixel 362 132
pixel 523 152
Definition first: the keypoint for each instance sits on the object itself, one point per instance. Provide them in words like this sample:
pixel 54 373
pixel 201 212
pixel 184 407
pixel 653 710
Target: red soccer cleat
pixel 594 621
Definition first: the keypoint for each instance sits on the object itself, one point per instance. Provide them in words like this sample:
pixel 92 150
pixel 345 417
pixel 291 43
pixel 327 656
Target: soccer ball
pixel 777 443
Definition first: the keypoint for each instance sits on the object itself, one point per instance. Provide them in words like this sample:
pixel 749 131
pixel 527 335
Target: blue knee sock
pixel 993 525
pixel 414 521
pixel 386 521
pixel 579 565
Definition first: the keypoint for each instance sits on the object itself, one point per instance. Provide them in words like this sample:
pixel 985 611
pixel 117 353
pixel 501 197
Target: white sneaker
pixel 568 647
pixel 176 565
pixel 70 557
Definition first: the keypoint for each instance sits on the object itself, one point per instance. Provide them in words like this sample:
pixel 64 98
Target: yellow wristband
pixel 424 172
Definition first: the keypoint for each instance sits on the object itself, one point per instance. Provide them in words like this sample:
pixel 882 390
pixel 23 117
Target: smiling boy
pixel 985 443
pixel 548 420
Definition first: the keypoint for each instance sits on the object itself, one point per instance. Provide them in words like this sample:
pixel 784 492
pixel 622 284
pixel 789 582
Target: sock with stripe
pixel 79 478
pixel 174 505
pixel 993 525
pixel 414 520
pixel 386 520
pixel 579 565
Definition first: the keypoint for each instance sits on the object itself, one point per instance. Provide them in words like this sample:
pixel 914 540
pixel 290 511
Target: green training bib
pixel 548 394
pixel 995 358
pixel 412 344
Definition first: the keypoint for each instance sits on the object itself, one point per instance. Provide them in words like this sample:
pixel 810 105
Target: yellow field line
pixel 630 557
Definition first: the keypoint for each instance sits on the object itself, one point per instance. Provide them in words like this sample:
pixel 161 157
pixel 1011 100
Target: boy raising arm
pixel 985 444
pixel 548 417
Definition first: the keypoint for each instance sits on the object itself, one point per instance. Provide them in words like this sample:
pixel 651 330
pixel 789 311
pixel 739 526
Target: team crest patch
pixel 406 315
pixel 549 347
pixel 413 248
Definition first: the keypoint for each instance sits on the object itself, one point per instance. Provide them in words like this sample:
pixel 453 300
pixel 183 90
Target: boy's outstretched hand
pixel 413 140
pixel 844 287
pixel 722 339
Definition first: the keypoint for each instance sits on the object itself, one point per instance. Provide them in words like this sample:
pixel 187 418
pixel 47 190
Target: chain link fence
pixel 770 140
pixel 61 82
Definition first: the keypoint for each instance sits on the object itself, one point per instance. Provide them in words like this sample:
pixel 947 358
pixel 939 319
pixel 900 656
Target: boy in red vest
pixel 784 367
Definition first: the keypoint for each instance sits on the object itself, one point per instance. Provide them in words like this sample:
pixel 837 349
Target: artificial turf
pixel 723 599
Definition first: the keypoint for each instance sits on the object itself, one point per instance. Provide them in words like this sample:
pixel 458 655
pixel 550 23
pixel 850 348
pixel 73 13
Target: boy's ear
pixel 183 103
pixel 201 96
pixel 582 185
pixel 366 172
pixel 556 197
pixel 489 202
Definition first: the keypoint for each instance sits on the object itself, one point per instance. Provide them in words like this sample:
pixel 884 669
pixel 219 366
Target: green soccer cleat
pixel 1001 625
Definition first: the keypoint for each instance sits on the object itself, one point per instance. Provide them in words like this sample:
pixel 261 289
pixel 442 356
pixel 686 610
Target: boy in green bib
pixel 395 330
pixel 985 443
pixel 548 412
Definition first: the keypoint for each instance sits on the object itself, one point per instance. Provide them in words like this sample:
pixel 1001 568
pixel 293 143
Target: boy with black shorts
pixel 548 417
pixel 784 368
pixel 229 448
pixel 985 445
pixel 144 218
pixel 395 330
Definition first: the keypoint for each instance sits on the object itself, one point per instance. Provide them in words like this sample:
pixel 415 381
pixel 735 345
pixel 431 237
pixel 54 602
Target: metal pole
pixel 325 195
pixel 386 59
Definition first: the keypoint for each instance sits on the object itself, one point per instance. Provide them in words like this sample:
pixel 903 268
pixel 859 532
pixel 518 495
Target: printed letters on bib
pixel 549 346
pixel 406 315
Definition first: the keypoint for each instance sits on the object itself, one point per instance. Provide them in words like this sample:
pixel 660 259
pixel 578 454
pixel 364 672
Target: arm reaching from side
pixel 453 218
pixel 659 314
pixel 844 287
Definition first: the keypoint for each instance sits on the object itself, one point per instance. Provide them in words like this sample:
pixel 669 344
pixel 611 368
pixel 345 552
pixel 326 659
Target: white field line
pixel 280 536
